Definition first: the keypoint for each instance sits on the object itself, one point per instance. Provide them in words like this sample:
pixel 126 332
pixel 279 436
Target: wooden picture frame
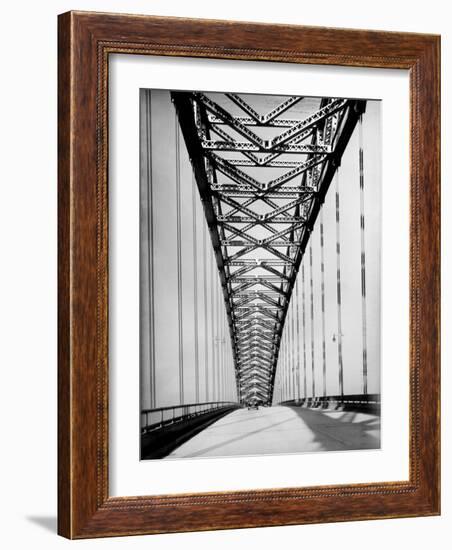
pixel 86 40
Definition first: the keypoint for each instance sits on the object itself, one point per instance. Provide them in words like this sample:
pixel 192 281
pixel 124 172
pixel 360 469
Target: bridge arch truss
pixel 262 178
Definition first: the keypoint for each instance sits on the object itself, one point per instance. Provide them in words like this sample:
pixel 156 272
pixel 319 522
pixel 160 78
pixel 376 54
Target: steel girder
pixel 259 221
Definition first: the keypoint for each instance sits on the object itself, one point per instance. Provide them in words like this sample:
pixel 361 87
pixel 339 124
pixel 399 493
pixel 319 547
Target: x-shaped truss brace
pixel 260 228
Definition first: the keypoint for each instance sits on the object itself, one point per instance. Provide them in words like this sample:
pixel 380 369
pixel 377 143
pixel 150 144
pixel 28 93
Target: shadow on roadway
pixel 339 430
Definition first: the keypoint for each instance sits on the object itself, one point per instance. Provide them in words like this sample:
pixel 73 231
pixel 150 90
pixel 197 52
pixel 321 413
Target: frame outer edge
pixel 64 278
pixel 430 229
pixel 82 510
pixel 425 273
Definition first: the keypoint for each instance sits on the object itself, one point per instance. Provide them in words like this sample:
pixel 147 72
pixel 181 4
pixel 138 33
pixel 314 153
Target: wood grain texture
pixel 64 295
pixel 85 42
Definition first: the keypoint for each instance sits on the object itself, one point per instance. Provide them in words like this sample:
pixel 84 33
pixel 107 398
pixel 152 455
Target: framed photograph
pixel 248 275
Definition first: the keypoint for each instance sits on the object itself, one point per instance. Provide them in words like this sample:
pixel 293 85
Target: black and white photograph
pixel 260 238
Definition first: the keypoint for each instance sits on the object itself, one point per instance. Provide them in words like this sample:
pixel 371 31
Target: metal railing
pixel 357 401
pixel 153 419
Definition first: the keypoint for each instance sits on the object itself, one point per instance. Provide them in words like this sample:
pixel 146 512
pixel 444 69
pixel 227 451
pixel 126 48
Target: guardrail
pixel 154 419
pixel 356 401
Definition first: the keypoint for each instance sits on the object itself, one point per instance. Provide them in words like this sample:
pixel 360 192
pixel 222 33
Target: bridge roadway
pixel 283 429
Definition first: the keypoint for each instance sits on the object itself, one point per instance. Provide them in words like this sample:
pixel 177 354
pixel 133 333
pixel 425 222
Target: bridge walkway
pixel 283 429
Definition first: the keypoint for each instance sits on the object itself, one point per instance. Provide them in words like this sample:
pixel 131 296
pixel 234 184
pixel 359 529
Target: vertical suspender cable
pixel 298 338
pixel 218 298
pixel 223 349
pixel 289 381
pixel 322 274
pixel 225 355
pixel 150 232
pixel 220 348
pixel 195 287
pixel 286 378
pixel 179 266
pixel 305 383
pixel 287 364
pixel 339 298
pixel 363 254
pixel 286 353
pixel 212 326
pixel 206 342
pixel 283 365
pixel 289 356
pixel 218 331
pixel 292 345
pixel 312 320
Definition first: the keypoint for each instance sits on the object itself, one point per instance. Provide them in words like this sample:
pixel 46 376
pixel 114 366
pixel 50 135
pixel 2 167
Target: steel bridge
pixel 262 178
pixel 260 225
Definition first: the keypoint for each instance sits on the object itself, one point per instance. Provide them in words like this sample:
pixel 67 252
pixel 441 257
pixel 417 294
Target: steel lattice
pixel 262 178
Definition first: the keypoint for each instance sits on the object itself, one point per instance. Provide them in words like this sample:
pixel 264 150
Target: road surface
pixel 279 429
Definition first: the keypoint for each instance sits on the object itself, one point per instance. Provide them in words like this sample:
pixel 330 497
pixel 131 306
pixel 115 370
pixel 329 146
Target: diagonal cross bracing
pixel 262 175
